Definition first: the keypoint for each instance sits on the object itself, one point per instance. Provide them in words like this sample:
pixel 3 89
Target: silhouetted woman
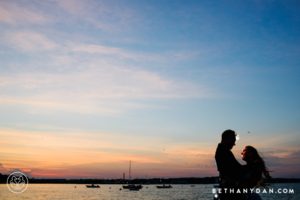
pixel 255 170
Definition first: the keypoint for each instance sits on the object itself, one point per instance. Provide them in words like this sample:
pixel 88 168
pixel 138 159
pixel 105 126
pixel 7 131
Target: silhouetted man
pixel 229 168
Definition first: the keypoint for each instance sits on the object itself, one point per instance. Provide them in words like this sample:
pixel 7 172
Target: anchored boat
pixel 132 187
pixel 164 186
pixel 92 186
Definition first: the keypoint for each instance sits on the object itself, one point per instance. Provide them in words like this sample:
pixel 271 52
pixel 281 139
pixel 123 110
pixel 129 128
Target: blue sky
pixel 155 82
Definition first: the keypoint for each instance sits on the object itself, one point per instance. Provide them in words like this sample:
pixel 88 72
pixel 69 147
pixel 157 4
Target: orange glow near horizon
pixel 45 154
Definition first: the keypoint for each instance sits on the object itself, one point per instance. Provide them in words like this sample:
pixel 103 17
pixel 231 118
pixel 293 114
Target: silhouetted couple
pixel 234 176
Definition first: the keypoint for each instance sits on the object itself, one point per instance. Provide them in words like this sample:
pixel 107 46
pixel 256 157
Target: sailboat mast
pixel 130 170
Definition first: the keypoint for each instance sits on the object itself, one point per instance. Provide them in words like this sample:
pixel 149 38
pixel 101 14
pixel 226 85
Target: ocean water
pixel 149 192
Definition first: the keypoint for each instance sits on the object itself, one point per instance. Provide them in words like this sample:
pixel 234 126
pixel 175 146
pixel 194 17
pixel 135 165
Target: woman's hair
pixel 257 159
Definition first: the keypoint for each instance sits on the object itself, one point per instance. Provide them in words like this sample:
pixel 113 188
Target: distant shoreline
pixel 148 181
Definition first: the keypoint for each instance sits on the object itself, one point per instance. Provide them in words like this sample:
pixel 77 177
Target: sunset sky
pixel 86 86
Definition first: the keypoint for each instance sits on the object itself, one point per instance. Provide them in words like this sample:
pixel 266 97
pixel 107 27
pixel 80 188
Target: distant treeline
pixel 189 180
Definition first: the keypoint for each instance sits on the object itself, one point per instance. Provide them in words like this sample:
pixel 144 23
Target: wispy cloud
pixel 132 55
pixel 94 80
pixel 14 14
pixel 102 89
pixel 98 49
pixel 30 41
pixel 100 14
pixel 103 15
pixel 283 162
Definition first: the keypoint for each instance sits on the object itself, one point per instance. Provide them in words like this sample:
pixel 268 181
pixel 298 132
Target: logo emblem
pixel 17 182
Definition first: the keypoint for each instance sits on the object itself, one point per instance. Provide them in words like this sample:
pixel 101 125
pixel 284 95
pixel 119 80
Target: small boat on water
pixel 92 186
pixel 163 186
pixel 133 187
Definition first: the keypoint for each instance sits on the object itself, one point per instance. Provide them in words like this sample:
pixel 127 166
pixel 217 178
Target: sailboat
pixel 132 187
pixel 164 186
pixel 92 186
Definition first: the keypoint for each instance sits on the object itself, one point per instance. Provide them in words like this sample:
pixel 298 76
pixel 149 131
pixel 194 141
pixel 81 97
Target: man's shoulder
pixel 221 148
pixel 220 151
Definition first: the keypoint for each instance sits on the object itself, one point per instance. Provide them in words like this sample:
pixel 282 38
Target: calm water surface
pixel 114 192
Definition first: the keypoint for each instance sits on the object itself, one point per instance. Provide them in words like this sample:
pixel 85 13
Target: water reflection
pixel 115 192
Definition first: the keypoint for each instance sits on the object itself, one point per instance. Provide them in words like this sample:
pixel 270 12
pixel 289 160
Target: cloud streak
pixel 102 15
pixel 283 162
pixel 13 14
pixel 99 83
pixel 30 41
pixel 93 90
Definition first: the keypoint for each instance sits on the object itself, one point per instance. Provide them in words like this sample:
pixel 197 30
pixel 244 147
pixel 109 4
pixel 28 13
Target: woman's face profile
pixel 245 154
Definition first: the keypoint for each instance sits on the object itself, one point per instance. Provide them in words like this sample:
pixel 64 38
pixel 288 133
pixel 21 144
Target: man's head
pixel 228 138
